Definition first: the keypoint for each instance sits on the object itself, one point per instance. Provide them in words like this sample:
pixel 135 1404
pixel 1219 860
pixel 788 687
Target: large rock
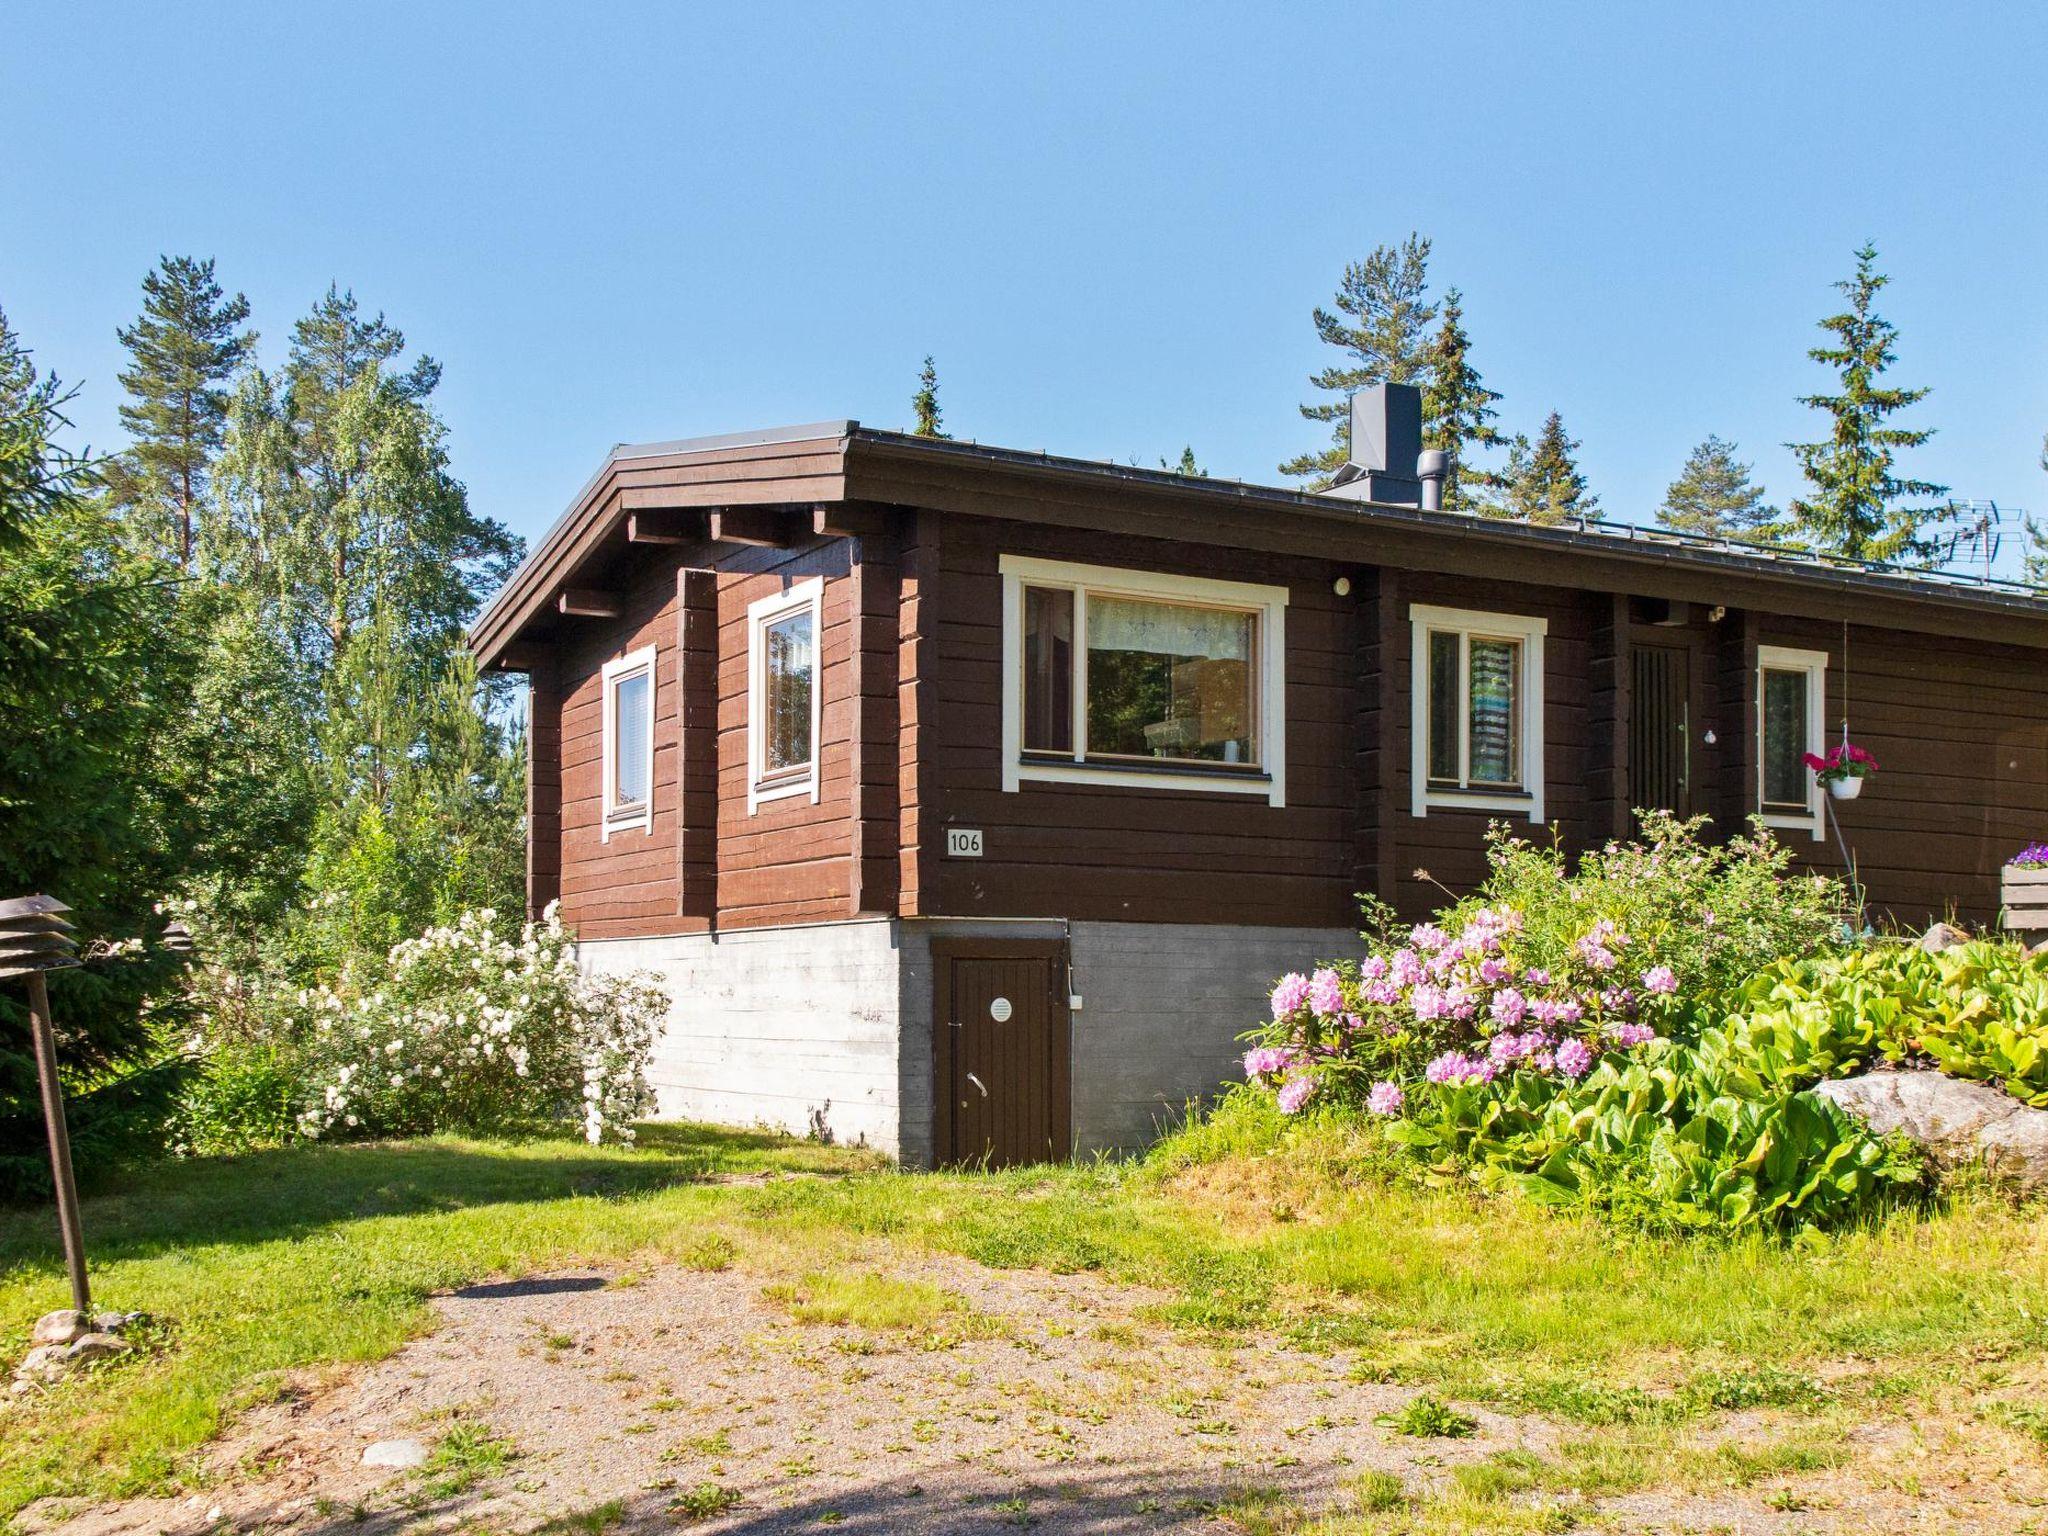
pixel 1942 936
pixel 1957 1122
pixel 395 1453
pixel 60 1327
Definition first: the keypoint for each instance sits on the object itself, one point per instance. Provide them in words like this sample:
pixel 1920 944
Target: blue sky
pixel 1108 222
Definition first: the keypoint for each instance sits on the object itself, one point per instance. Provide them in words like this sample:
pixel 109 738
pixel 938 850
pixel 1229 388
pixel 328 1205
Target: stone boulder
pixel 1958 1122
pixel 60 1327
pixel 1942 936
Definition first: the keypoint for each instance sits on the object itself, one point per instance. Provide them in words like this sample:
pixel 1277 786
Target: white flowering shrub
pixel 466 1030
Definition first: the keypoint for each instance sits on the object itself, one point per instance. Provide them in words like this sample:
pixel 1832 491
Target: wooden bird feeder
pixel 34 939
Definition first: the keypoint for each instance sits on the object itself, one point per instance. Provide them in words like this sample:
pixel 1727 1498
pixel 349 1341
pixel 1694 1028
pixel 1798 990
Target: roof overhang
pixel 842 462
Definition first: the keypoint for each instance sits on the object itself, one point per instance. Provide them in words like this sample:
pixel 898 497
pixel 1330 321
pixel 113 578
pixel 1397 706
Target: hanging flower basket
pixel 1843 770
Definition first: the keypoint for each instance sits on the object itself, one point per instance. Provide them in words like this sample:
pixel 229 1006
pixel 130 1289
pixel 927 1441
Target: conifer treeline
pixel 1856 503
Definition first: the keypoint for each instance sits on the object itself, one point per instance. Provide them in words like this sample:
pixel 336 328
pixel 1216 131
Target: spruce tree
pixel 1713 495
pixel 1382 322
pixel 926 401
pixel 183 349
pixel 1854 508
pixel 1457 409
pixel 1542 483
pixel 2037 539
pixel 1186 465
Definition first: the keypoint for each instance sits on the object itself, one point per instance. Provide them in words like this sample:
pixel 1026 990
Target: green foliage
pixel 1186 464
pixel 925 403
pixel 243 1095
pixel 1457 408
pixel 1430 1418
pixel 1853 508
pixel 1383 317
pixel 183 349
pixel 1977 1010
pixel 1542 483
pixel 1666 1140
pixel 1714 496
pixel 95 668
pixel 1714 912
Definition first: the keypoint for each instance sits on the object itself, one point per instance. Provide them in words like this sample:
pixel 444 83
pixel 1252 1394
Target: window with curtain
pixel 1159 681
pixel 1474 710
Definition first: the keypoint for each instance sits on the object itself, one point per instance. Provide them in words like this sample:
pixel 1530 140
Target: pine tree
pixel 1713 495
pixel 1457 409
pixel 1854 507
pixel 183 349
pixel 1542 483
pixel 926 401
pixel 1186 465
pixel 1389 318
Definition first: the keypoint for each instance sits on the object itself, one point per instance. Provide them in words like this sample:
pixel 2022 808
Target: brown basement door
pixel 1000 1067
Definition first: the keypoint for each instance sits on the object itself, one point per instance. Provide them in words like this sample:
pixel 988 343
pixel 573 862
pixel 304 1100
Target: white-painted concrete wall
pixel 826 1029
pixel 794 1028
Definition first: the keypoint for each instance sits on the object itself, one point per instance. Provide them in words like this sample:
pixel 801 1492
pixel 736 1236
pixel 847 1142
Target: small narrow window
pixel 783 694
pixel 790 678
pixel 1478 710
pixel 1791 716
pixel 629 742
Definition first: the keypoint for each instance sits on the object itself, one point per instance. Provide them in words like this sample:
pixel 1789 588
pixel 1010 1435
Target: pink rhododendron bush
pixel 1564 1032
pixel 466 1029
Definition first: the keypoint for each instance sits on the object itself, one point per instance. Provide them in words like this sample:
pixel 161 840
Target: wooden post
pixel 60 1140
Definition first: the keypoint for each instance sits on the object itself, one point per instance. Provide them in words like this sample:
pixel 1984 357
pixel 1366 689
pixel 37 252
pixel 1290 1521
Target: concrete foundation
pixel 825 1030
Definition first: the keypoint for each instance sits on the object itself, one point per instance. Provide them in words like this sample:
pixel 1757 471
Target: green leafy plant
pixel 1429 1417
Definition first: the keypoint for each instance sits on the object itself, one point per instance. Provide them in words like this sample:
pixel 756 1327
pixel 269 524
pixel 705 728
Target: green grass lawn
pixel 283 1260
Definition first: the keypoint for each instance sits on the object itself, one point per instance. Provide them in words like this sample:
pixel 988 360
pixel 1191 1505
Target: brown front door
pixel 1660 729
pixel 999 1035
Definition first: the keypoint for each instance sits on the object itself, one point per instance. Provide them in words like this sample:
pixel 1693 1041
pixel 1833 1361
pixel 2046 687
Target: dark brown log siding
pixel 1164 855
pixel 785 863
pixel 1960 732
pixel 911 656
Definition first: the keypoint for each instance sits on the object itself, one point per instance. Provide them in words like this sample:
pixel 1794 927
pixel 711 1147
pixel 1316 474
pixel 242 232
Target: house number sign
pixel 999 1010
pixel 963 842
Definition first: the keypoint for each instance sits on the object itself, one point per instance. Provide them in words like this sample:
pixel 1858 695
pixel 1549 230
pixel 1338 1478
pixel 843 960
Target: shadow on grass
pixel 259 1196
pixel 1102 1500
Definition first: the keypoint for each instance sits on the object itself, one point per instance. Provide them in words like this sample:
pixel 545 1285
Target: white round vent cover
pixel 999 1010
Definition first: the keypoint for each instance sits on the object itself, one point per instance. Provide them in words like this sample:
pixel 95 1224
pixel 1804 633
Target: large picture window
pixel 782 695
pixel 628 686
pixel 1478 711
pixel 1791 722
pixel 1134 677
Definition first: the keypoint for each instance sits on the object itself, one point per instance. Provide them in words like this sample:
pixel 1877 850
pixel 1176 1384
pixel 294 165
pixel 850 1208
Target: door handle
pixel 978 1083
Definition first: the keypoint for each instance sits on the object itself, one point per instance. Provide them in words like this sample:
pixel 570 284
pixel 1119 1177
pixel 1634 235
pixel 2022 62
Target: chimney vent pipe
pixel 1431 465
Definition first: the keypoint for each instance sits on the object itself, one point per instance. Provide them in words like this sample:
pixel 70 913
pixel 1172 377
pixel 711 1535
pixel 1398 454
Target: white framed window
pixel 1141 679
pixel 783 701
pixel 1476 732
pixel 628 685
pixel 1791 721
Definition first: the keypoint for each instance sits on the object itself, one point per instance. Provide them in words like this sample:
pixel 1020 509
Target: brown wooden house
pixel 968 800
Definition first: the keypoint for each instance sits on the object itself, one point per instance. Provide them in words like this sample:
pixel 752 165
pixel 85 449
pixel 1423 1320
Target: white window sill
pixel 785 789
pixel 1814 823
pixel 1507 802
pixel 1176 777
pixel 627 821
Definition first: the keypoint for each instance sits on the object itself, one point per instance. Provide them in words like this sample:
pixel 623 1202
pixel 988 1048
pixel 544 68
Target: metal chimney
pixel 1386 440
pixel 1431 466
